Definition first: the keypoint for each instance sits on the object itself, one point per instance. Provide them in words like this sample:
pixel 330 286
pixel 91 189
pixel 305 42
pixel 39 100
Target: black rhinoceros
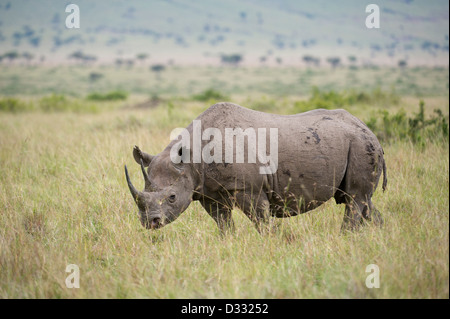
pixel 314 156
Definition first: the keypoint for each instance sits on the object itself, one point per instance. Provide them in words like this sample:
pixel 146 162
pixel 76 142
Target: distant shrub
pixel 417 129
pixel 14 105
pixel 60 103
pixel 332 99
pixel 111 96
pixel 209 94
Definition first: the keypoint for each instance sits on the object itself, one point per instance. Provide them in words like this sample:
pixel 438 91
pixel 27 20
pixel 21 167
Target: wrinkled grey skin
pixel 321 154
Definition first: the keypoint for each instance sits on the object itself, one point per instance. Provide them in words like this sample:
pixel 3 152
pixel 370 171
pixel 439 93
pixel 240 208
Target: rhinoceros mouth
pixel 153 223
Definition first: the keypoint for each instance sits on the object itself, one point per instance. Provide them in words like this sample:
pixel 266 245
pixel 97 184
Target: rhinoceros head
pixel 168 189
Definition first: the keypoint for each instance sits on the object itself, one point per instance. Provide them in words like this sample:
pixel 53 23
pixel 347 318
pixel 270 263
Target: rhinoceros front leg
pixel 257 208
pixel 220 213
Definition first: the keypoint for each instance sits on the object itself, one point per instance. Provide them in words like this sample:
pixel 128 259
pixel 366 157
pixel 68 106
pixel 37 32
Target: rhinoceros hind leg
pixel 359 211
pixel 373 215
pixel 354 211
pixel 359 183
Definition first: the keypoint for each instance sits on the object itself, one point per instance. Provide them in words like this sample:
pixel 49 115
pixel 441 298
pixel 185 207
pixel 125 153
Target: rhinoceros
pixel 320 154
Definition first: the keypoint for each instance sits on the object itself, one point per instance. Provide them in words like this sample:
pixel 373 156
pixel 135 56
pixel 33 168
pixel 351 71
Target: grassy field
pixel 64 198
pixel 77 80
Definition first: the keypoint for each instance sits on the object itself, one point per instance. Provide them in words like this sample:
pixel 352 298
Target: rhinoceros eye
pixel 172 198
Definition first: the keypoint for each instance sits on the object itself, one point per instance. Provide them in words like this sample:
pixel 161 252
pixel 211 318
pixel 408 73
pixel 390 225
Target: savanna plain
pixel 67 132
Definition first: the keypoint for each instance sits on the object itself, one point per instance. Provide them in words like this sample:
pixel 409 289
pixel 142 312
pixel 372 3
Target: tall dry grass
pixel 64 200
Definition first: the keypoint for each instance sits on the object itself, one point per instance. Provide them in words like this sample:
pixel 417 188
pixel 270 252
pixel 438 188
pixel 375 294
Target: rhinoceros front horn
pixel 134 192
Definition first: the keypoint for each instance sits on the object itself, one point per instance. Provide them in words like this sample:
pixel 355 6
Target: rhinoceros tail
pixel 384 176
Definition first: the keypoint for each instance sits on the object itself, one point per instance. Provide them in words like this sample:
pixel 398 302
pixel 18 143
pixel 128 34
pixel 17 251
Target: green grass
pixel 64 200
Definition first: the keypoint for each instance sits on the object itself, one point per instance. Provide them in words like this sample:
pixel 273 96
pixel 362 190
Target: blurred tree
pixel 35 41
pixel 334 61
pixel 352 59
pixel 311 60
pixel 11 55
pixel 142 57
pixel 81 57
pixel 118 62
pixel 129 63
pixel 402 64
pixel 94 76
pixel 56 19
pixel 158 68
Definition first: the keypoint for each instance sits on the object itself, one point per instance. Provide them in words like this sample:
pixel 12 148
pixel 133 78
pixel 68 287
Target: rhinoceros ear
pixel 139 155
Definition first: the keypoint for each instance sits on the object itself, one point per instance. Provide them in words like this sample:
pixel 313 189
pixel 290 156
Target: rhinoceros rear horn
pixel 134 192
pixel 148 184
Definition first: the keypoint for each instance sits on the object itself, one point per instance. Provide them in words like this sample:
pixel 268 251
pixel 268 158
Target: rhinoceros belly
pixel 312 164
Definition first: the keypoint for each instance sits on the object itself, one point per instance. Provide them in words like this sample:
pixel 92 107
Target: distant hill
pixel 261 32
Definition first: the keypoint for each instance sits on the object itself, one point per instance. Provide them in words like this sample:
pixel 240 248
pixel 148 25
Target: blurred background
pixel 166 47
pixel 201 32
